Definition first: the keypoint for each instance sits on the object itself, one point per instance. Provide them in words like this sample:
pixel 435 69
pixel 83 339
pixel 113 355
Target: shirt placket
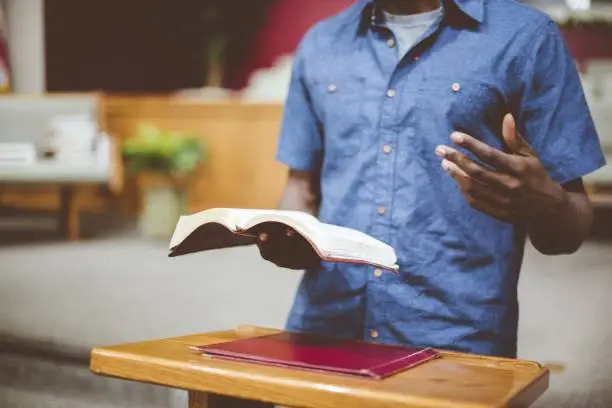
pixel 385 46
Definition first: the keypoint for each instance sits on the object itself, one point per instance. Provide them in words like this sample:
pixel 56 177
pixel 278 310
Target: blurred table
pixel 455 380
pixel 68 176
pixel 50 171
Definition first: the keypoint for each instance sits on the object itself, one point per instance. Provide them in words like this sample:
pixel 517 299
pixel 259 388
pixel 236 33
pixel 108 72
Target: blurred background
pixel 117 116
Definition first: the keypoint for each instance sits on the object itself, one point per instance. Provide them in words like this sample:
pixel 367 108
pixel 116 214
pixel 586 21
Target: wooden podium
pixel 455 380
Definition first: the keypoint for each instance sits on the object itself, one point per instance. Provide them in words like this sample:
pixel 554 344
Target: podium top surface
pixel 456 379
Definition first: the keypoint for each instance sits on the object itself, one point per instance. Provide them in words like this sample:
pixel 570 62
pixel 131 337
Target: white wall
pixel 25 34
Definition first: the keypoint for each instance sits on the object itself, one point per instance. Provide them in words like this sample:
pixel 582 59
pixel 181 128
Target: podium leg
pixel 203 400
pixel 198 399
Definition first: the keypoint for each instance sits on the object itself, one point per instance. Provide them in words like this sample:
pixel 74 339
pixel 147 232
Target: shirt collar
pixel 471 8
pixel 474 9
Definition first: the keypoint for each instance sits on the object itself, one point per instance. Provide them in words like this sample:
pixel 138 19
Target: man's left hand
pixel 515 189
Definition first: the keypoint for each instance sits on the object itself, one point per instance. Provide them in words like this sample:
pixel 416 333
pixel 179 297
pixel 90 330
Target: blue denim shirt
pixel 376 121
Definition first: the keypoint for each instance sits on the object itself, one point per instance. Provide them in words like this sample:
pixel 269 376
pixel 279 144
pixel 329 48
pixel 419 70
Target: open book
pixel 225 227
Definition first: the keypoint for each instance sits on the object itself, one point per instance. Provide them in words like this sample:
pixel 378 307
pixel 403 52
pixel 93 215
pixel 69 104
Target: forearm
pixel 301 193
pixel 298 202
pixel 563 228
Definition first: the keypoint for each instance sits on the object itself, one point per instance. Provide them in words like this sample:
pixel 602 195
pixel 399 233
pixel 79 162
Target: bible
pixel 226 227
pixel 312 352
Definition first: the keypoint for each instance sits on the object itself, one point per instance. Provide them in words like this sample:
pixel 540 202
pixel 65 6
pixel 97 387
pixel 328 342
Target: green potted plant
pixel 163 162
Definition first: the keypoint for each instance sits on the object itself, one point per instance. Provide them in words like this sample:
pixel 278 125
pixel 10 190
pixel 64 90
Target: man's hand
pixel 286 248
pixel 516 188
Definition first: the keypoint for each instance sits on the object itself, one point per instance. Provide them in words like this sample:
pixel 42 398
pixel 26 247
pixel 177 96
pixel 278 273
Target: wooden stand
pixel 69 222
pixel 455 380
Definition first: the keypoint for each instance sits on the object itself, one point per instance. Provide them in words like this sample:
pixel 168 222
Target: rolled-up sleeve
pixel 553 114
pixel 300 140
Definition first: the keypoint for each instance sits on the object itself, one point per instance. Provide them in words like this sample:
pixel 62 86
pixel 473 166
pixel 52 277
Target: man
pixel 452 131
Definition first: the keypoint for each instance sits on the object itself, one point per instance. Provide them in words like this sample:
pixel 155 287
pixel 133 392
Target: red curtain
pixel 5 83
pixel 589 42
pixel 287 21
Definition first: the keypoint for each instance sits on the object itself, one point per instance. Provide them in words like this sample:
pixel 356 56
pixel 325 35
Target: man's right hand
pixel 286 248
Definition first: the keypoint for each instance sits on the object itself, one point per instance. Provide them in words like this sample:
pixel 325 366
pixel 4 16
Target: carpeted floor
pixel 121 288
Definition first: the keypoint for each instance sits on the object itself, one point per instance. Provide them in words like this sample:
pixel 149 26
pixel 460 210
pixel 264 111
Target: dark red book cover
pixel 312 352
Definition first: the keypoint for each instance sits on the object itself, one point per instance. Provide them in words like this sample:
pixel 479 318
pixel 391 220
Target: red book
pixel 312 352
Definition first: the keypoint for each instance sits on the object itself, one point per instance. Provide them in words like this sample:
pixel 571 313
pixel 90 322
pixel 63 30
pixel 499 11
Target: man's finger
pixel 479 195
pixel 473 187
pixel 469 167
pixel 468 185
pixel 489 155
pixel 514 140
pixel 286 248
pixel 454 170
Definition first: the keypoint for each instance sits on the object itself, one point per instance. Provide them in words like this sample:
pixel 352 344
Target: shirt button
pixel 387 149
pixel 391 42
pixel 332 88
pixel 456 87
pixel 378 272
pixel 382 210
pixel 373 334
pixel 391 93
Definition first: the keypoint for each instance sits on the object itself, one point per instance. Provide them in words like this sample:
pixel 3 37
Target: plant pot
pixel 163 202
pixel 161 209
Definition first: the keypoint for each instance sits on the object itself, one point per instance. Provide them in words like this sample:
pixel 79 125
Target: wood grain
pixel 455 380
pixel 198 399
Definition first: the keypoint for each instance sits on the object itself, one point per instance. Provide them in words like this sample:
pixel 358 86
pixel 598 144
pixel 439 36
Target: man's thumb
pixel 515 142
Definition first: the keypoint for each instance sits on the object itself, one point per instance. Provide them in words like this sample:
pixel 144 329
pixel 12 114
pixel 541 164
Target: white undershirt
pixel 409 28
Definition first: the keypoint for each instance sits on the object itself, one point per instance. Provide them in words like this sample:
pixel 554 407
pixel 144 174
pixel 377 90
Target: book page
pixel 236 219
pixel 298 220
pixel 348 243
pixel 211 235
pixel 187 224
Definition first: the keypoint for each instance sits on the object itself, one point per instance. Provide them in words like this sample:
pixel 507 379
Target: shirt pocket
pixel 338 101
pixel 467 104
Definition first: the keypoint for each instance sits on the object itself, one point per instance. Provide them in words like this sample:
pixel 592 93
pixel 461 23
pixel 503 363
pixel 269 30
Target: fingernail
pixel 457 137
pixel 446 165
pixel 441 151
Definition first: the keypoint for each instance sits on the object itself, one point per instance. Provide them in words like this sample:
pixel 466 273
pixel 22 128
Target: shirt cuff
pixel 565 174
pixel 297 161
